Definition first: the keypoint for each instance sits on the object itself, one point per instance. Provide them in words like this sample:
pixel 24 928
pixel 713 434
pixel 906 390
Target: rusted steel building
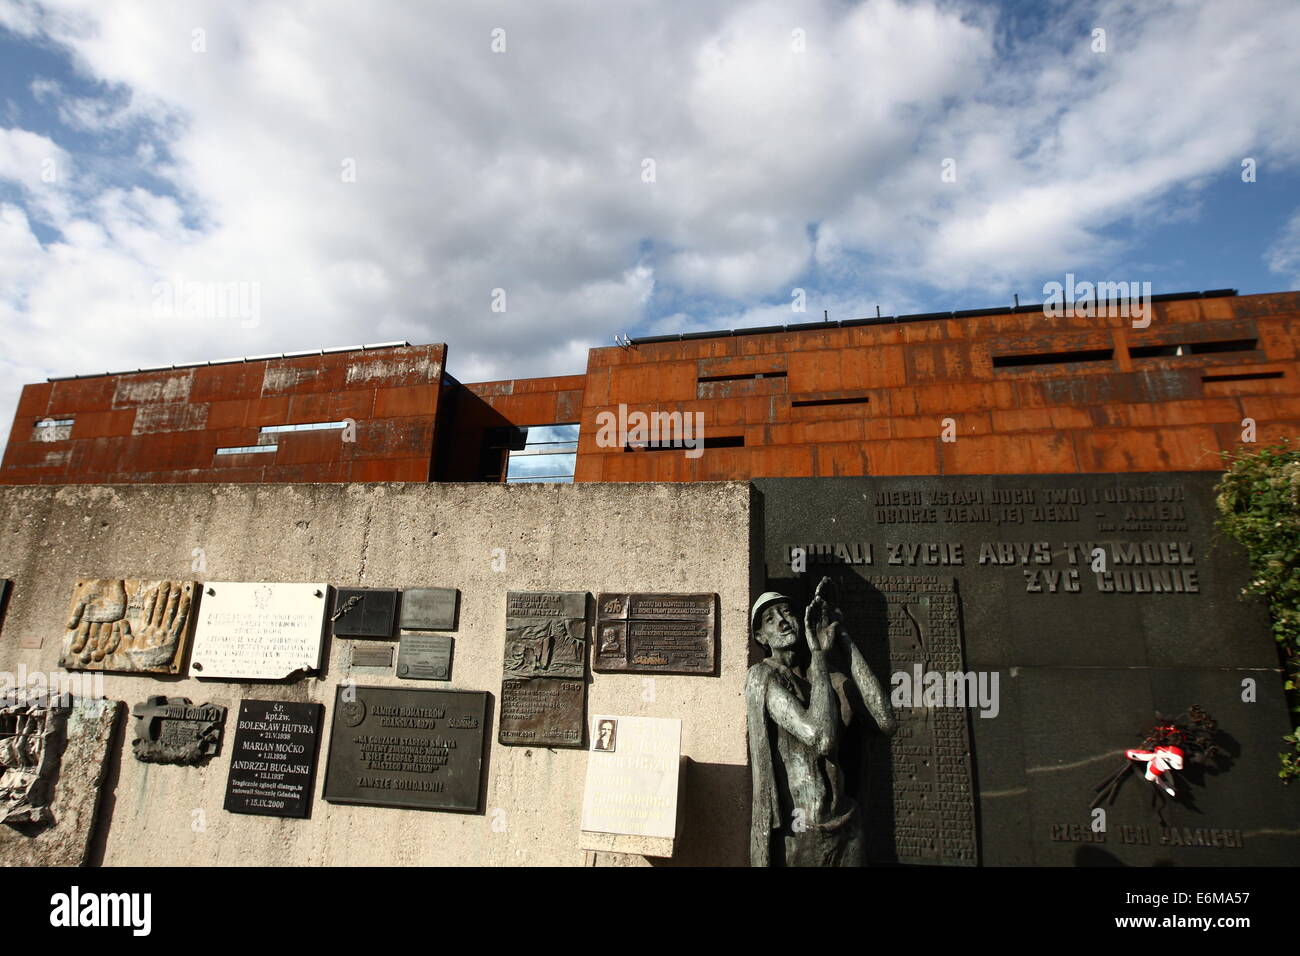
pixel 982 391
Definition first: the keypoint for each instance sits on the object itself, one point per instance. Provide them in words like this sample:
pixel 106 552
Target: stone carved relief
pixel 32 735
pixel 127 625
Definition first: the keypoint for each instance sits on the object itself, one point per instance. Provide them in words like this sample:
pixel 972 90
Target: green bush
pixel 1259 505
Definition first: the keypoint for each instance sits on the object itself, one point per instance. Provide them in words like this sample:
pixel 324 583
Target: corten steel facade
pixel 1025 392
pixel 167 425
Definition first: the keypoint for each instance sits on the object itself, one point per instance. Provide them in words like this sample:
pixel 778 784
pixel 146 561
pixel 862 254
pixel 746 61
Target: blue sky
pixel 523 181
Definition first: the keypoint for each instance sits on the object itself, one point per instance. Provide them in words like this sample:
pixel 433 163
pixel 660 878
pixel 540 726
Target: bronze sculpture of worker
pixel 800 700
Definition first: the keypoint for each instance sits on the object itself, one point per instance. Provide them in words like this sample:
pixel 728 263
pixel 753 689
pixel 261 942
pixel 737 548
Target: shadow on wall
pixel 714 809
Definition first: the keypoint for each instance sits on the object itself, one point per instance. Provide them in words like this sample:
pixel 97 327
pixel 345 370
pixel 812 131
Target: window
pixel 549 454
pixel 304 427
pixel 52 429
pixel 247 450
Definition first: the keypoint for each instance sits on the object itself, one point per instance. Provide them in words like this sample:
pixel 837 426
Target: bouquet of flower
pixel 1171 746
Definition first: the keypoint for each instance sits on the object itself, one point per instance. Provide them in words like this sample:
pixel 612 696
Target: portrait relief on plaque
pixel 656 633
pixel 127 625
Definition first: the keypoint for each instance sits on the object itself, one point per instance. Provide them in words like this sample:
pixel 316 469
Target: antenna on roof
pixel 1017 295
pixel 622 341
pixel 877 311
pixel 826 315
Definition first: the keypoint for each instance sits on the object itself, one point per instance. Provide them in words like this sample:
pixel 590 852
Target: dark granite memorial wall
pixel 993 578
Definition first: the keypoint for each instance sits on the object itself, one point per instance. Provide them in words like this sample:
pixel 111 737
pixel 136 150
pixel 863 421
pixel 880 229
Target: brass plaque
pixel 127 625
pixel 544 687
pixel 656 633
pixel 372 655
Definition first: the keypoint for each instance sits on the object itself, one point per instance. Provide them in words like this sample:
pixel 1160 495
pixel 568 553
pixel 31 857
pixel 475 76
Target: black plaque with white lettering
pixel 655 633
pixel 273 761
pixel 1028 629
pixel 399 747
pixel 544 688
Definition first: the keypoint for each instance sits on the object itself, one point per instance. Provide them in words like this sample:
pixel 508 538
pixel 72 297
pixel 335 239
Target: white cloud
pixel 1283 256
pixel 521 170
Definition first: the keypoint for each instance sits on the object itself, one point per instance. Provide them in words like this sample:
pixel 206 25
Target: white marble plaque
pixel 257 631
pixel 632 771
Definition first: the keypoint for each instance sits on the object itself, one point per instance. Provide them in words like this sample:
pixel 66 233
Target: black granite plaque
pixel 401 747
pixel 1083 659
pixel 174 730
pixel 364 612
pixel 656 633
pixel 544 689
pixel 930 791
pixel 4 599
pixel 429 609
pixel 424 657
pixel 273 760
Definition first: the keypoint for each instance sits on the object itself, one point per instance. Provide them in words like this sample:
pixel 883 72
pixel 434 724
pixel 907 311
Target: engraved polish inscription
pixel 926 774
pixel 656 633
pixel 273 761
pixel 401 747
pixel 544 687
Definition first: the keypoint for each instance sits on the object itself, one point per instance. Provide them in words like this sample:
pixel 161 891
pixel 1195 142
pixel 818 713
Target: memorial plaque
pixel 633 767
pixel 1070 609
pixel 544 689
pixel 257 631
pixel 656 633
pixel 364 612
pixel 424 657
pixel 930 788
pixel 273 760
pixel 4 599
pixel 127 625
pixel 429 609
pixel 174 730
pixel 372 655
pixel 401 747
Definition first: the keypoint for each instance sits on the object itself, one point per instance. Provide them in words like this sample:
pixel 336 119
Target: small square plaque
pixel 429 609
pixel 364 612
pixel 424 657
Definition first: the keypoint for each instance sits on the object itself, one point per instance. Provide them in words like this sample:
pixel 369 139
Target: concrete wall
pixel 580 537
